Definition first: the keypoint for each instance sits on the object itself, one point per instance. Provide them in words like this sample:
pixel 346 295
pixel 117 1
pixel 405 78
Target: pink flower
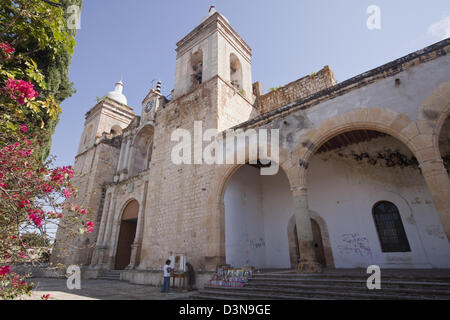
pixel 4 270
pixel 23 127
pixel 67 193
pixel 89 226
pixel 5 46
pixel 6 50
pixel 83 211
pixel 36 220
pixel 45 296
pixel 20 90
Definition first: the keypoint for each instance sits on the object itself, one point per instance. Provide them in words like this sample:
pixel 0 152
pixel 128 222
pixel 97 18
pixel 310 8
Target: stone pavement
pixel 100 290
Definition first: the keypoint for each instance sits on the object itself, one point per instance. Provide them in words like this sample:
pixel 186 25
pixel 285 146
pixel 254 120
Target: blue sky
pixel 136 40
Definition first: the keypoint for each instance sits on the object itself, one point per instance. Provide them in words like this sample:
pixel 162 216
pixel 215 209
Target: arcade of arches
pixel 347 177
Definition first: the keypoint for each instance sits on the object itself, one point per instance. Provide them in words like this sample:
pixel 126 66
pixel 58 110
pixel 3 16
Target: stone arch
pixel 293 244
pixel 115 130
pixel 126 232
pixel 434 111
pixel 216 207
pixel 142 147
pixel 235 72
pixel 196 69
pixel 387 121
pixel 399 127
pixel 227 171
pixel 122 207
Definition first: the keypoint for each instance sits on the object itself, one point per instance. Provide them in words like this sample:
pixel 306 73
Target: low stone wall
pixel 155 277
pixel 296 90
pixel 39 271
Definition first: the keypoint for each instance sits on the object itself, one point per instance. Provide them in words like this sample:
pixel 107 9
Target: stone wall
pixel 296 90
pixel 92 169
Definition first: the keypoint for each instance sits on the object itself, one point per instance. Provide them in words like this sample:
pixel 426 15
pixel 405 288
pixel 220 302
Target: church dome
pixel 117 94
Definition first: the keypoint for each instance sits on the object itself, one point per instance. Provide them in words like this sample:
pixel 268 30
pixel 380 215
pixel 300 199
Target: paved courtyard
pixel 100 290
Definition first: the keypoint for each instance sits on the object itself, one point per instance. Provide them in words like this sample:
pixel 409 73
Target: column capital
pixel 299 191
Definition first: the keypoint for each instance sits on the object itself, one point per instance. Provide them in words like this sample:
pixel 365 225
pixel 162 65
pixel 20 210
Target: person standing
pixel 191 276
pixel 166 270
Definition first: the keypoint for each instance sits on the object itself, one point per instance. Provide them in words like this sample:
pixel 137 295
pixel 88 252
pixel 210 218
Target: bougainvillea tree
pixel 34 194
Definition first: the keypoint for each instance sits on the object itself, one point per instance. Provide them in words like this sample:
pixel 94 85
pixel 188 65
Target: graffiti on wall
pixel 354 243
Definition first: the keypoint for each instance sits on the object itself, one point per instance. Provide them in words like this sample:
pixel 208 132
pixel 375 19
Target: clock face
pixel 148 106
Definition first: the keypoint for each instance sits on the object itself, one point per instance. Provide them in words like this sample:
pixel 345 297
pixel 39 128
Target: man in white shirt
pixel 166 270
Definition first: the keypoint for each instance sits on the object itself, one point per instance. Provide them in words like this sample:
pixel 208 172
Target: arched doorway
pixel 444 144
pixel 320 241
pixel 354 170
pixel 127 234
pixel 257 213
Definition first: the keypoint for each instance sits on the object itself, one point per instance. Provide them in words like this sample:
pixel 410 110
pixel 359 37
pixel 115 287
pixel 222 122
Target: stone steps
pixel 430 288
pixel 110 275
pixel 351 283
pixel 333 286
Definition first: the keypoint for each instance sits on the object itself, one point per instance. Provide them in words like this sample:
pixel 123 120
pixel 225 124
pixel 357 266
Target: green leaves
pixel 43 46
pixel 33 73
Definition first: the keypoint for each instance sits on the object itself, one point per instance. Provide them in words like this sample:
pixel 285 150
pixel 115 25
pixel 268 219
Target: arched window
pixel 115 131
pixel 235 72
pixel 390 227
pixel 196 69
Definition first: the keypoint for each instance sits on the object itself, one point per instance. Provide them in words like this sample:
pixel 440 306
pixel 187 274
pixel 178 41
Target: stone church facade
pixel 363 178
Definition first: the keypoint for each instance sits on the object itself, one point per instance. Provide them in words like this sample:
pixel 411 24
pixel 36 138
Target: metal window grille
pixel 390 228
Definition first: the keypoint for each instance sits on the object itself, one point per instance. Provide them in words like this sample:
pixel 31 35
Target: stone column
pixel 107 232
pixel 112 244
pixel 137 243
pixel 122 151
pixel 99 243
pixel 130 153
pixel 438 182
pixel 125 161
pixel 308 261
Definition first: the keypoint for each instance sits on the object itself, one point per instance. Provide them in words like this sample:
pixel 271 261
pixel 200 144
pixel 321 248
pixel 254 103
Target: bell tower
pixel 110 115
pixel 213 49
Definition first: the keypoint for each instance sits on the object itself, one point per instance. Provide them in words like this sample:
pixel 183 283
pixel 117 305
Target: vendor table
pixel 182 278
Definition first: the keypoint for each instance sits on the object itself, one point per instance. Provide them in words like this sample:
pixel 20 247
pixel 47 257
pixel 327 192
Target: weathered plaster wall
pixel 416 84
pixel 343 187
pixel 257 213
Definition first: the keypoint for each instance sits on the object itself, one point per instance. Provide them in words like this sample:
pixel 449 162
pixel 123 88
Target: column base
pixel 308 267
